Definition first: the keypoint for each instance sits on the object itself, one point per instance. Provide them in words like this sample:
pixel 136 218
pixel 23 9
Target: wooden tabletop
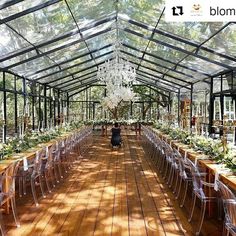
pixel 210 165
pixel 30 153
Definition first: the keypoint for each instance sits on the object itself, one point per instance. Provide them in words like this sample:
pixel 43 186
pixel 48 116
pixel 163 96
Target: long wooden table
pixel 211 167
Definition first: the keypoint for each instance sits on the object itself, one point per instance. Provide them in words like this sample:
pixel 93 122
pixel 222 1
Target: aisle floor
pixel 111 192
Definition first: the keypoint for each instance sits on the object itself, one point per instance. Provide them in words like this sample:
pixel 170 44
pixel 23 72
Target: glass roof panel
pixel 159 61
pixel 201 65
pixel 69 52
pixel 133 40
pixel 155 67
pixel 79 74
pixel 44 24
pixel 195 31
pixel 77 61
pixel 190 72
pixel 10 41
pixel 43 73
pixel 80 67
pixel 85 11
pixel 179 76
pixel 124 24
pixel 68 82
pixel 103 51
pixel 18 7
pixel 153 77
pixel 55 76
pixel 104 58
pixel 19 58
pixel 60 43
pixel 31 66
pixel 146 11
pixel 130 59
pixel 165 52
pixel 79 83
pixel 150 71
pixel 132 51
pixel 101 40
pixel 173 42
pixel 217 58
pixel 228 36
pixel 97 29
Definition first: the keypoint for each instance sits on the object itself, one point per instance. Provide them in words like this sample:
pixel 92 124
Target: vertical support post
pixel 142 110
pixel 58 108
pixel 24 107
pixel 94 110
pixel 191 108
pixel 179 107
pixel 131 109
pixel 68 107
pixel 40 112
pixel 16 108
pixel 211 107
pixel 50 109
pixel 4 127
pixel 169 104
pixel 33 110
pixel 45 106
pixel 86 98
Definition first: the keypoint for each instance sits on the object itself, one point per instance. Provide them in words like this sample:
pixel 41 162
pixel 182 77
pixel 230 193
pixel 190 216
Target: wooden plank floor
pixel 111 192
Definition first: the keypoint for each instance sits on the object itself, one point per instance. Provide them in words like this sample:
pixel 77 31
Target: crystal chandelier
pixel 118 75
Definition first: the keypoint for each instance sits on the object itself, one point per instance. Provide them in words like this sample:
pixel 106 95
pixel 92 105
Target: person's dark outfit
pixel 115 138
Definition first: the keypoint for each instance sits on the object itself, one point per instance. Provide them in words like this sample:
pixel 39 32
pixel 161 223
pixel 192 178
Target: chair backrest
pixel 196 178
pixel 225 192
pixel 38 161
pixel 230 213
pixel 8 178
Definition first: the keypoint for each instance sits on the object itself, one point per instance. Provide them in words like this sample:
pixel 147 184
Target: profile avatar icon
pixel 196 7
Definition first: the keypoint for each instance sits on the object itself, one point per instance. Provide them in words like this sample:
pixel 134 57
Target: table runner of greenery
pixel 33 138
pixel 211 147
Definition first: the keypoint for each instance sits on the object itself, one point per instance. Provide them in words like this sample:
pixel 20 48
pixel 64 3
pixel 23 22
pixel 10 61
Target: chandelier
pixel 118 75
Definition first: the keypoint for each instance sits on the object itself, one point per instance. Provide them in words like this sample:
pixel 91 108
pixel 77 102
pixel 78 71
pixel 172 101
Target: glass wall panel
pixel 9 81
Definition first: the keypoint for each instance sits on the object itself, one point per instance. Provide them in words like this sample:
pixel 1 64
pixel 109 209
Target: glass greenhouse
pixel 183 90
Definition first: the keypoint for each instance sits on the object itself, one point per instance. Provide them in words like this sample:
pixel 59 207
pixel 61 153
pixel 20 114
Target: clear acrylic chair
pixel 7 193
pixel 37 174
pixel 202 190
pixel 184 177
pixel 229 205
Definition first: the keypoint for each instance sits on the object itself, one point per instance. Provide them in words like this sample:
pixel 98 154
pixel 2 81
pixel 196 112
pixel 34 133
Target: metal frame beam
pixel 157 85
pixel 143 81
pixel 180 39
pixel 29 10
pixel 70 95
pixel 76 72
pixel 191 53
pixel 69 34
pixel 156 79
pixel 69 60
pixel 163 59
pixel 163 78
pixel 79 86
pixel 71 81
pixel 9 3
pixel 75 65
pixel 156 64
pixel 67 87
